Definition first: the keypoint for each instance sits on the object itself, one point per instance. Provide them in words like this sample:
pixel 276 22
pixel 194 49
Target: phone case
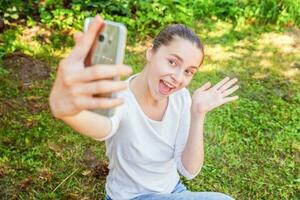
pixel 110 49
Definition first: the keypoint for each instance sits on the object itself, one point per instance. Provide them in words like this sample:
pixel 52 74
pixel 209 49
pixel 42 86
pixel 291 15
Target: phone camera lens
pixel 101 38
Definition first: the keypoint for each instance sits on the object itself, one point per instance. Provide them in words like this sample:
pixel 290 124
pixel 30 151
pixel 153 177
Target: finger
pixel 204 87
pixel 228 84
pixel 230 91
pixel 100 103
pixel 229 99
pixel 82 49
pixel 77 37
pixel 99 87
pixel 222 82
pixel 98 72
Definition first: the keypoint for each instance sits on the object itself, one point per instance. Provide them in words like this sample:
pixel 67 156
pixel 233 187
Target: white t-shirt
pixel 144 154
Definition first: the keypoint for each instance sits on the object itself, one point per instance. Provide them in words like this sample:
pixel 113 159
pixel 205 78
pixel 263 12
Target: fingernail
pixel 97 17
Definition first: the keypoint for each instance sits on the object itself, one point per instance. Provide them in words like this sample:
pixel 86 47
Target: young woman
pixel 157 129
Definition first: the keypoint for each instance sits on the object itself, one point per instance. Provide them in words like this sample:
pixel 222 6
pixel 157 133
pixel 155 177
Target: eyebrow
pixel 179 58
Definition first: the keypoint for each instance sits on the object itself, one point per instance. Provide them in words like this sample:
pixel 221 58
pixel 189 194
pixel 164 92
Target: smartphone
pixel 109 49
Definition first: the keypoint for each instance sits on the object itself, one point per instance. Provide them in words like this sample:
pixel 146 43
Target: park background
pixel 252 146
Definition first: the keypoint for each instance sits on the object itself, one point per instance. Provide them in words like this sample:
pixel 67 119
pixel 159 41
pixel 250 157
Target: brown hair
pixel 167 34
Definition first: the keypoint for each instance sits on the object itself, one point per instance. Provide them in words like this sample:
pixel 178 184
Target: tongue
pixel 163 88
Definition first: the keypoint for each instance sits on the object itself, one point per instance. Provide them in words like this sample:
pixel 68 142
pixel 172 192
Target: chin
pixel 155 92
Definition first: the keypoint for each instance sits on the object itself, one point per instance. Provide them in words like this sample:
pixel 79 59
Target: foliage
pixel 146 17
pixel 251 11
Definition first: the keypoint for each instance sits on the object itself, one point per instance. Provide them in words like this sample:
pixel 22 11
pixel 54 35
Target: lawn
pixel 252 146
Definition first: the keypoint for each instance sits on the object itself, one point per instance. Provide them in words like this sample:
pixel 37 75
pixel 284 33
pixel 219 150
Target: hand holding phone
pixel 75 85
pixel 109 48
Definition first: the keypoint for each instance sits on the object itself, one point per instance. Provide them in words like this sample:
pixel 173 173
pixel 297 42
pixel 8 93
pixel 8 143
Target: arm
pixel 194 147
pixel 73 91
pixel 204 99
pixel 90 124
pixel 97 126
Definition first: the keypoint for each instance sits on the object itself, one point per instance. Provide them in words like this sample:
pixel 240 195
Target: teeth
pixel 167 84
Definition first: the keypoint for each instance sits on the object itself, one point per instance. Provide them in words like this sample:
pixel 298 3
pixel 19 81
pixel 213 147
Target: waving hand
pixel 208 97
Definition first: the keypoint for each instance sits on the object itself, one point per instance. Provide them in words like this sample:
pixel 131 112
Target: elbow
pixel 193 168
pixel 189 172
pixel 190 177
pixel 109 135
pixel 193 173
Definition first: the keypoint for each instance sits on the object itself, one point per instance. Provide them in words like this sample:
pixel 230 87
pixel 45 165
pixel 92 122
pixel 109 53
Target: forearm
pixel 89 124
pixel 193 155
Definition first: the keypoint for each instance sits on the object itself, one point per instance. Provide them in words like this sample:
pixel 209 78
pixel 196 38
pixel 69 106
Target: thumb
pixel 83 47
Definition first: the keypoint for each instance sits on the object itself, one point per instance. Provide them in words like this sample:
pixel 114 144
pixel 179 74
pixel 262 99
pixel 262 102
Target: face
pixel 172 67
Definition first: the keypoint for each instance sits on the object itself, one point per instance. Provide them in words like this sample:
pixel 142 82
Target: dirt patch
pixel 97 168
pixel 28 74
pixel 25 183
pixel 33 105
pixel 26 69
pixel 2 25
pixel 3 171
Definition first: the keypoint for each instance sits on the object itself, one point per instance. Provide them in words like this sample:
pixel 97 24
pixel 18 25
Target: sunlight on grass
pixel 286 43
pixel 291 73
pixel 220 53
pixel 266 63
pixel 259 75
pixel 208 67
pixel 220 29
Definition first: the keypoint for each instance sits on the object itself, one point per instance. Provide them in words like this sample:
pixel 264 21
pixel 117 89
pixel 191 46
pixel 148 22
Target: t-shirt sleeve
pixel 118 116
pixel 183 133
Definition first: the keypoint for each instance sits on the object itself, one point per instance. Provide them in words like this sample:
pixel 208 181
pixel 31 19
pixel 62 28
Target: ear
pixel 149 53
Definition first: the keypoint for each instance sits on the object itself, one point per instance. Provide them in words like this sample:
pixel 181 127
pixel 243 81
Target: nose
pixel 178 76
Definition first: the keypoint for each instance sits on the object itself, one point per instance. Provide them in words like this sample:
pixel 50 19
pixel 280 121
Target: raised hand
pixel 76 84
pixel 206 98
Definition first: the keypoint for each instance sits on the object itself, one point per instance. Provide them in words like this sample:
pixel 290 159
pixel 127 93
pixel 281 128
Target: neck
pixel 141 91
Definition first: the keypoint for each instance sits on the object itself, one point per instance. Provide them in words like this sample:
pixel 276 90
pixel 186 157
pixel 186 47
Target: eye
pixel 189 72
pixel 172 63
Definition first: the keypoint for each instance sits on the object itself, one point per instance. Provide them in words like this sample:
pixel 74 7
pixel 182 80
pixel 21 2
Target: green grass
pixel 252 146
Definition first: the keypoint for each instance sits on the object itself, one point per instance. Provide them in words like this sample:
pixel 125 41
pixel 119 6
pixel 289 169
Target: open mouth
pixel 165 88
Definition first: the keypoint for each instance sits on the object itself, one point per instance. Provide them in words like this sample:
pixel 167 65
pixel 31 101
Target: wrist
pixel 196 112
pixel 198 115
